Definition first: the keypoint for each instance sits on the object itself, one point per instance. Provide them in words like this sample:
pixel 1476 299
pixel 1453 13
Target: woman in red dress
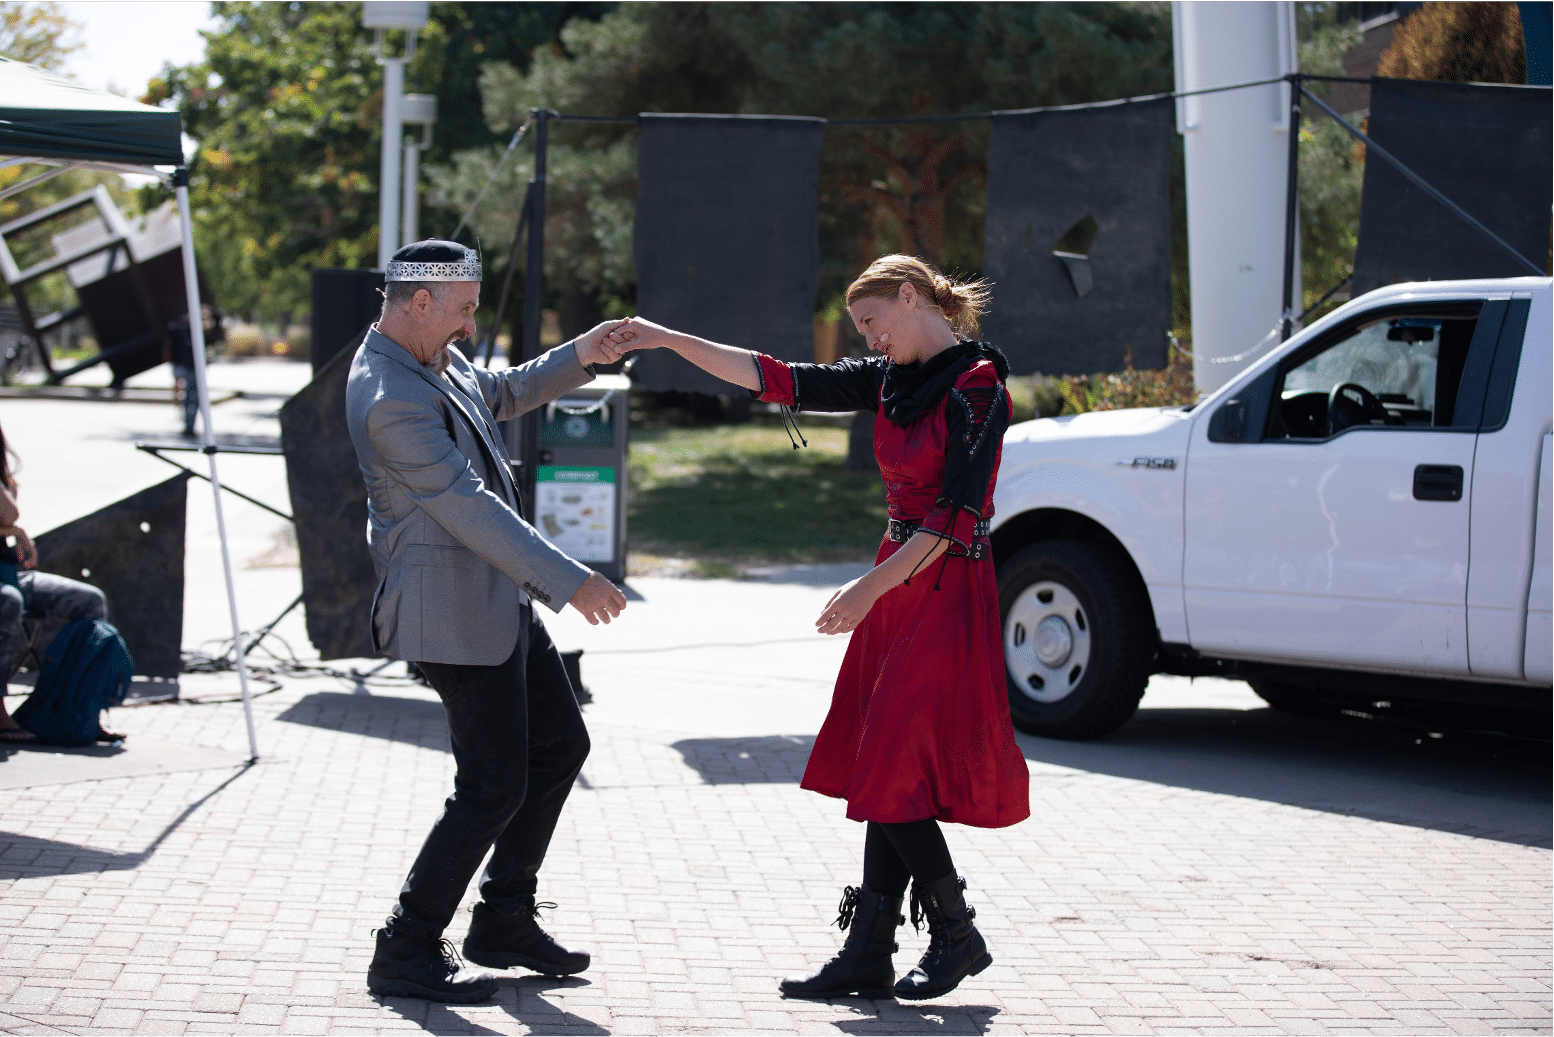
pixel 918 730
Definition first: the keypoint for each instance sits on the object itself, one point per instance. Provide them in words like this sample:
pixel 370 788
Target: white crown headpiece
pixel 435 261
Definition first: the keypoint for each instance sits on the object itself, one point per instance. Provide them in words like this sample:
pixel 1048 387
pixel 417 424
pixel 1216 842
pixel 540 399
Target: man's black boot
pixel 504 941
pixel 955 948
pixel 424 967
pixel 863 966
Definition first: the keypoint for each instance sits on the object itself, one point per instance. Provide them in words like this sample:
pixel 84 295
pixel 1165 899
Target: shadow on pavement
pixel 23 856
pixel 1482 785
pixel 766 760
pixel 416 721
pixel 891 1017
pixel 518 996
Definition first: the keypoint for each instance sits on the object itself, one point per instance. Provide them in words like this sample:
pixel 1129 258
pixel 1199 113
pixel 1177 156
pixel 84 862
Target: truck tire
pixel 1294 700
pixel 1077 638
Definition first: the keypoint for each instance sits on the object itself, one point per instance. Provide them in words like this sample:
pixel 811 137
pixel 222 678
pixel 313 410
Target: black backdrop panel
pixel 1487 148
pixel 727 238
pixel 329 501
pixel 132 551
pixel 1046 171
pixel 344 303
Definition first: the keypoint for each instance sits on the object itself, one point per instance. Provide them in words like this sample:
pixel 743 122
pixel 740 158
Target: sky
pixel 126 43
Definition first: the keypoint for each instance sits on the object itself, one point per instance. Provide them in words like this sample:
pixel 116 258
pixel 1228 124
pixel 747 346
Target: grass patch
pixel 741 493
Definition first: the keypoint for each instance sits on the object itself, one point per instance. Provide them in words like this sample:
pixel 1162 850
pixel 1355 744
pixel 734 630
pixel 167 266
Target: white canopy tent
pixel 49 120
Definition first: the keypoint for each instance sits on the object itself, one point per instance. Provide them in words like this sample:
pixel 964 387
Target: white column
pixel 411 216
pixel 388 179
pixel 1236 145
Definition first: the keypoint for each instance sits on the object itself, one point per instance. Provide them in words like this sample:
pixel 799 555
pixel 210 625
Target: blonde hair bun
pixel 962 302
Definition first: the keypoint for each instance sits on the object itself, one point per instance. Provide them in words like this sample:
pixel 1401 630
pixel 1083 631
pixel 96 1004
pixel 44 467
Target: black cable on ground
pixel 216 656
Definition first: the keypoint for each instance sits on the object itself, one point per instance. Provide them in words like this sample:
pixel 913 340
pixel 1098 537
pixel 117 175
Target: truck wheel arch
pixel 1028 527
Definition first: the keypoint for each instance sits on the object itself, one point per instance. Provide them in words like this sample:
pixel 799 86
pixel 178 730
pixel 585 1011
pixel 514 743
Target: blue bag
pixel 86 669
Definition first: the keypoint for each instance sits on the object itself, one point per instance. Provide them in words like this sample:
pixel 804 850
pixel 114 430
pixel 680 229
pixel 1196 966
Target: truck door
pixel 1330 524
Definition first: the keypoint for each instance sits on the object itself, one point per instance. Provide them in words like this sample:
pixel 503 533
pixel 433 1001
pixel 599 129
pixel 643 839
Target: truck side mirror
pixel 1228 423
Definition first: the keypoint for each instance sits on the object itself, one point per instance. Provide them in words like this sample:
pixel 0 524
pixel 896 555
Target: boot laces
pixel 848 907
pixel 442 947
pixel 921 912
pixel 450 957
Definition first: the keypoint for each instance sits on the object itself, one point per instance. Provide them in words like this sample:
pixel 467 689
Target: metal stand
pixel 230 445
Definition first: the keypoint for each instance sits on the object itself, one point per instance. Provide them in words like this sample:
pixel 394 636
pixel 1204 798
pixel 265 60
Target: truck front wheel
pixel 1077 639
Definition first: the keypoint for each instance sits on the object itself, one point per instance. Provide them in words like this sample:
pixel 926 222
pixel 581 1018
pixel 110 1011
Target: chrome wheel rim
pixel 1047 641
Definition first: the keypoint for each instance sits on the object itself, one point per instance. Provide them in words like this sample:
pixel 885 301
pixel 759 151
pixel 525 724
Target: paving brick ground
pixel 1213 868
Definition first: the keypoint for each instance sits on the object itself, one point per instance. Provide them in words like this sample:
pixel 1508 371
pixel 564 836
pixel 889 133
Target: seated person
pixel 22 589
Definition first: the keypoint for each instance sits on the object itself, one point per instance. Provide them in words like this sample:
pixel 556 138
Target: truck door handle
pixel 1438 482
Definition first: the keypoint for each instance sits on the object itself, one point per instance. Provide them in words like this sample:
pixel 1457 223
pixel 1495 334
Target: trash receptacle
pixel 580 480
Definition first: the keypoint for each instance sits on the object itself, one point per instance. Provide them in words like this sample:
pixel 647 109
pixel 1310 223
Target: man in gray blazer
pixel 458 571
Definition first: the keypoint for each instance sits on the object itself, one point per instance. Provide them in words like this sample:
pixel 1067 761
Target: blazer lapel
pixel 466 405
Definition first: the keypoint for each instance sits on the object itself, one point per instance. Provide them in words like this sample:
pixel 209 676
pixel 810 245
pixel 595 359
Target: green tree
pixel 1330 173
pixel 39 34
pixel 916 188
pixel 287 112
pixel 1460 42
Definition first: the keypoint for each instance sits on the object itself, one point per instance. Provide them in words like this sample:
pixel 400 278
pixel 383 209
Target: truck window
pixel 1401 370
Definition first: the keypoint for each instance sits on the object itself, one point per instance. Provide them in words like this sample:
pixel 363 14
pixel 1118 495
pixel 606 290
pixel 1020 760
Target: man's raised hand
pixel 604 344
pixel 598 600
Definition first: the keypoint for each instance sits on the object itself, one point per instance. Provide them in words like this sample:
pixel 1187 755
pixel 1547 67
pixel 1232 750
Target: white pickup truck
pixel 1359 521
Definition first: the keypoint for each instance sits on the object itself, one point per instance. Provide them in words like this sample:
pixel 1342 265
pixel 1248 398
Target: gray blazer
pixel 444 527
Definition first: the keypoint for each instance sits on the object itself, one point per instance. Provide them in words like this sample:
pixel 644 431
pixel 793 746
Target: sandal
pixel 17 736
pixel 108 737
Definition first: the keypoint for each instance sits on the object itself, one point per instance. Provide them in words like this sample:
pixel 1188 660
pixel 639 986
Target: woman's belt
pixel 901 531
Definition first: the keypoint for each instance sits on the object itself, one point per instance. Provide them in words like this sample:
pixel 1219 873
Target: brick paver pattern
pixel 697 872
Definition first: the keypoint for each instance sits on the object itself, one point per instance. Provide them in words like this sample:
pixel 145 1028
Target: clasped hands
pixel 610 341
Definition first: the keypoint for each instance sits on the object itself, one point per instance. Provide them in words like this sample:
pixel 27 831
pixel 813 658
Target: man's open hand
pixel 598 600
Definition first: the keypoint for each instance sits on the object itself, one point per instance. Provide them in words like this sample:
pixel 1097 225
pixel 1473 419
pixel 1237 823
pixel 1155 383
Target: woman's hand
pixel 641 333
pixel 847 607
pixel 602 345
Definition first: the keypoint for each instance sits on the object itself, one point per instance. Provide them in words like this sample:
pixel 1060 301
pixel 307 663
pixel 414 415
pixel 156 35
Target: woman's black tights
pixel 894 853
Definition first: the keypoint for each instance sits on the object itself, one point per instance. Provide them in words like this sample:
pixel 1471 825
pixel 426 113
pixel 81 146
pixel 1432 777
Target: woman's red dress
pixel 919 722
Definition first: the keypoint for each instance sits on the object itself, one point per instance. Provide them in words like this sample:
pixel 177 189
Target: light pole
pixel 417 110
pixel 382 16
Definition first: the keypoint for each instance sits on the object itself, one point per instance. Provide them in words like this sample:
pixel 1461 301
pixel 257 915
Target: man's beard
pixel 439 362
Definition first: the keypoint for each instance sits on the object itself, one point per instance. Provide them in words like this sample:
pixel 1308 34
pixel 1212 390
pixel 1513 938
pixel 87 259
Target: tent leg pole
pixel 197 341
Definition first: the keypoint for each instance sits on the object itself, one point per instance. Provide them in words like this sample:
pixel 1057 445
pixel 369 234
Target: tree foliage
pixel 917 188
pixel 1460 42
pixel 287 111
pixel 1330 173
pixel 38 33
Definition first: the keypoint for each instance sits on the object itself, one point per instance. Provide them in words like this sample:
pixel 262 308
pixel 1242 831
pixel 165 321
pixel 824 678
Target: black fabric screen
pixel 727 240
pixel 329 501
pixel 1487 148
pixel 1046 172
pixel 132 551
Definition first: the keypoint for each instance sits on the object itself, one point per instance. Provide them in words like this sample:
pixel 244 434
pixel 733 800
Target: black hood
pixel 911 389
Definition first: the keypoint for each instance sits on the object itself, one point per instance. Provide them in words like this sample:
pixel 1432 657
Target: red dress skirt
pixel 919 722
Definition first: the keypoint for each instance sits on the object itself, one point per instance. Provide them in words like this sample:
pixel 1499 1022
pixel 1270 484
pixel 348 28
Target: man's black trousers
pixel 519 743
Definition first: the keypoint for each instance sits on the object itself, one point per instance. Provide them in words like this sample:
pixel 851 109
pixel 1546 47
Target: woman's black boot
pixel 863 966
pixel 955 948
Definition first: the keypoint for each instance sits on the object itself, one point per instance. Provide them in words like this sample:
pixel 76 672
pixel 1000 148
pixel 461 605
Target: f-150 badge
pixel 1150 462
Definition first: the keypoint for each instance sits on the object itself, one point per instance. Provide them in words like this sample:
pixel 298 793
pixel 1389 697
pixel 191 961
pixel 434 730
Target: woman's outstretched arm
pixel 726 362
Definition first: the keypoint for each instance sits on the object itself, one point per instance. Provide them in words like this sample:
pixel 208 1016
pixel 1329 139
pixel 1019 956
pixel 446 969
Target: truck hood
pixel 1049 436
